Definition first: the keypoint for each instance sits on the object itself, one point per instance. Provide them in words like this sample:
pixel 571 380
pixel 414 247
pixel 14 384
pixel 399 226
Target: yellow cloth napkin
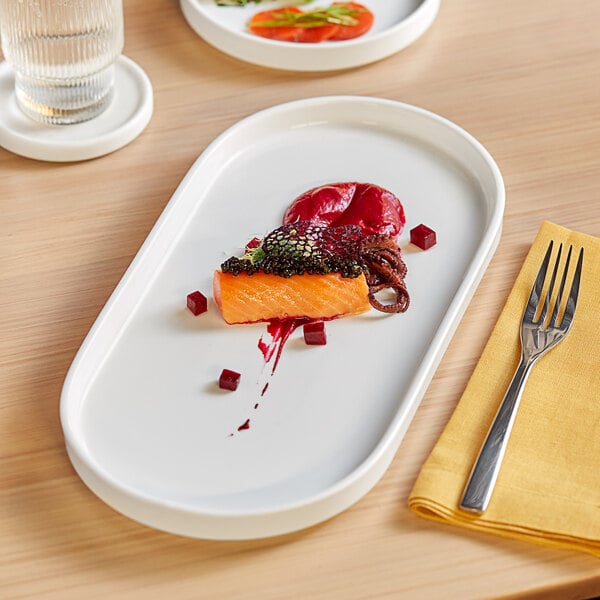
pixel 548 489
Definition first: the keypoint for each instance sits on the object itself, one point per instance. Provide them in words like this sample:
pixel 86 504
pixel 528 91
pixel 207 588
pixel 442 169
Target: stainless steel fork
pixel 539 333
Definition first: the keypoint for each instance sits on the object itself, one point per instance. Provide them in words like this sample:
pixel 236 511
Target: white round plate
pixel 398 23
pixel 145 424
pixel 125 118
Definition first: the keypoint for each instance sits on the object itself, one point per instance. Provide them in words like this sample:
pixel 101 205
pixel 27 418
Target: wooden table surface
pixel 522 77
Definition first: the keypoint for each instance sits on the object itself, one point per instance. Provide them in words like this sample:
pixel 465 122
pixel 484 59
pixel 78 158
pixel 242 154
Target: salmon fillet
pixel 247 298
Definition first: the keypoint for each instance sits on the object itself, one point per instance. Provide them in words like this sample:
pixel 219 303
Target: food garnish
pixel 336 22
pixel 197 303
pixel 229 380
pixel 314 333
pixel 422 236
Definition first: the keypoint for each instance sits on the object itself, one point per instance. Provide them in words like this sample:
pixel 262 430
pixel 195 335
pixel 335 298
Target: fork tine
pixel 536 291
pixel 561 290
pixel 573 294
pixel 546 305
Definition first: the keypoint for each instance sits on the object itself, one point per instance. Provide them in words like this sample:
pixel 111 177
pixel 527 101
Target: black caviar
pixel 302 247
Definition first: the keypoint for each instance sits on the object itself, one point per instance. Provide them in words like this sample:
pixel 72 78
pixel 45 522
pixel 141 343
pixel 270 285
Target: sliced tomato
pixel 365 20
pixel 300 34
pixel 317 34
pixel 284 34
pixel 290 34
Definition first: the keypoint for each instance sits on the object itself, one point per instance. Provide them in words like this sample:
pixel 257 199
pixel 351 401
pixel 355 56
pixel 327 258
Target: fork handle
pixel 483 477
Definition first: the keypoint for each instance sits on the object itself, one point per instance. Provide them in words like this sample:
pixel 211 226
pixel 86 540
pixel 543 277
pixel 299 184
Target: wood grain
pixel 523 77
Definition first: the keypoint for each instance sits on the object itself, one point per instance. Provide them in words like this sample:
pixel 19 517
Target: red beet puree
pixel 374 209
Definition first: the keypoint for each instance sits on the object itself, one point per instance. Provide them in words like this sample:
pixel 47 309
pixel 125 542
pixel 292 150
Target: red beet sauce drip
pixel 280 331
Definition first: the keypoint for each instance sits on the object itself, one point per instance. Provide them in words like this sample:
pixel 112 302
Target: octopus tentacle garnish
pixel 384 269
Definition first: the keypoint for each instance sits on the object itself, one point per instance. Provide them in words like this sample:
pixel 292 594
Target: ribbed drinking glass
pixel 63 54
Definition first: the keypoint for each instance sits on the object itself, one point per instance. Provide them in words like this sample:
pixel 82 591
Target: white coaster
pixel 124 119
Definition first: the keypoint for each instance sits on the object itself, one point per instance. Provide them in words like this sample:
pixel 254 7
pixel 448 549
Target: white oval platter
pixel 146 426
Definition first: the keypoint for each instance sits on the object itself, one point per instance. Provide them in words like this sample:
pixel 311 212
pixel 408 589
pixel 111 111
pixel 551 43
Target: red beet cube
pixel 423 237
pixel 314 334
pixel 197 303
pixel 229 380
